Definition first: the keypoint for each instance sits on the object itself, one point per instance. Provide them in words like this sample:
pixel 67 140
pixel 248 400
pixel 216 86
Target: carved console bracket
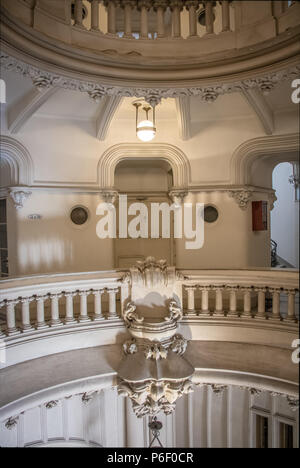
pixel 19 197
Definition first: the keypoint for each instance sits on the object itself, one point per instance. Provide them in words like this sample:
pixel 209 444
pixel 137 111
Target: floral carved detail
pixel 11 422
pixel 155 351
pixel 51 404
pixel 178 196
pixel 242 197
pixel 151 397
pixel 88 396
pixel 152 272
pixel 19 197
pixel 130 347
pixel 218 389
pixel 293 402
pixel 130 315
pixel 175 311
pixel 178 345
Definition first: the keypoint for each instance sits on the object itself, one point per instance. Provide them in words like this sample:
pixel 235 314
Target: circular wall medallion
pixel 211 214
pixel 79 215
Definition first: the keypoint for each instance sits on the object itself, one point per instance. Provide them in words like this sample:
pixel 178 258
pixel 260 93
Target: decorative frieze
pixel 43 80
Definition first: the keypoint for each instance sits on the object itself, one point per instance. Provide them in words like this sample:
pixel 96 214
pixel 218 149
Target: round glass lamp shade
pixel 145 130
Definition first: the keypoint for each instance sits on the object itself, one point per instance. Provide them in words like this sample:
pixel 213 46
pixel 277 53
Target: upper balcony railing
pixel 36 304
pixel 147 32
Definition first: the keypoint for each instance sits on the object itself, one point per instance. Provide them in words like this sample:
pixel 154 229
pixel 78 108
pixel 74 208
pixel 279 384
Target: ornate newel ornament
pixel 154 372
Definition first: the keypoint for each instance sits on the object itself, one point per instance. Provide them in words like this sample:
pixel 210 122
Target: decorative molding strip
pixel 44 79
pixel 18 159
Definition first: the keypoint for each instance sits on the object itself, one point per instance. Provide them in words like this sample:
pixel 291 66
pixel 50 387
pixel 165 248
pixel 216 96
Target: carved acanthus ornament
pixel 154 372
pixel 19 197
pixel 242 197
pixel 43 80
pixel 12 422
pixel 293 402
pixel 51 404
pixel 109 196
pixel 178 196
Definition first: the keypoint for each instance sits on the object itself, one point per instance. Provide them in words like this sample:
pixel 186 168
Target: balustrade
pixel 127 8
pixel 230 298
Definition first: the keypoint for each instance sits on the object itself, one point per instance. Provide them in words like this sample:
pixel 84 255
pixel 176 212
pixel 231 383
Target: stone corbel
pixel 272 200
pixel 178 196
pixel 109 196
pixel 241 197
pixel 19 197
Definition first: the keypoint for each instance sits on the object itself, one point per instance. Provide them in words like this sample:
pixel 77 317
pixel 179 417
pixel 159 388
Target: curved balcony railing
pixel 36 304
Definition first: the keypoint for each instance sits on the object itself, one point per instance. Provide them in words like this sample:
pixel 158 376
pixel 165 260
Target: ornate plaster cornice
pixel 43 79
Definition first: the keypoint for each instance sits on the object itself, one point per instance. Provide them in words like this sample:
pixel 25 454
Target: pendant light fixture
pixel 145 129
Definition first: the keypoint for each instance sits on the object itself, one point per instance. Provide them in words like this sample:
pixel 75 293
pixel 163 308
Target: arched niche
pixel 154 151
pixel 253 162
pixel 15 163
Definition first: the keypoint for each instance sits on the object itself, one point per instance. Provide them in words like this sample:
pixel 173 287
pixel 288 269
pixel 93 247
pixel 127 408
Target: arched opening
pixel 285 216
pixel 143 181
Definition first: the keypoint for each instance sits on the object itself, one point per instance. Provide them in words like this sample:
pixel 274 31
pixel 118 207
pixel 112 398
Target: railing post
pixel 69 307
pixel 160 8
pixel 191 6
pixel 191 299
pixel 209 19
pixel 95 15
pixel 144 6
pixel 261 302
pixel 2 334
pixel 111 16
pixel 291 304
pixel 83 317
pixel 128 6
pixel 275 302
pixel 225 16
pixel 98 305
pixel 218 300
pixel 40 312
pixel 205 299
pixel 78 13
pixel 112 310
pixel 26 325
pixel 176 7
pixel 247 301
pixel 11 318
pixel 55 320
pixel 232 300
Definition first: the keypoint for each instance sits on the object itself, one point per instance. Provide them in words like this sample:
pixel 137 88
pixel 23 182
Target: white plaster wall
pixel 201 419
pixel 285 215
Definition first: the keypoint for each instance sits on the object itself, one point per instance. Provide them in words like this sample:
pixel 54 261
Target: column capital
pixel 131 3
pixel 97 291
pixel 232 287
pixel 70 293
pixel 190 287
pixel 144 4
pixel 12 302
pixel 247 289
pixel 290 291
pixel 55 295
pixel 25 300
pixel 275 290
pixel 160 4
pixel 113 290
pixel 217 287
pixel 262 289
pixel 176 4
pixel 84 293
pixel 192 3
pixel 205 288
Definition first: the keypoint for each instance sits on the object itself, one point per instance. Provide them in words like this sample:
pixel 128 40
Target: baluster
pixel 219 300
pixel 2 334
pixel 78 13
pixel 176 7
pixel 160 8
pixel 40 312
pixel 98 305
pixel 191 299
pixel 83 317
pixel 205 299
pixel 55 320
pixel 232 300
pixel 128 6
pixel 209 19
pixel 275 302
pixel 68 11
pixel 95 15
pixel 111 16
pixel 191 6
pixel 112 310
pixel 261 302
pixel 247 301
pixel 144 6
pixel 291 305
pixel 26 325
pixel 11 318
pixel 225 16
pixel 69 306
